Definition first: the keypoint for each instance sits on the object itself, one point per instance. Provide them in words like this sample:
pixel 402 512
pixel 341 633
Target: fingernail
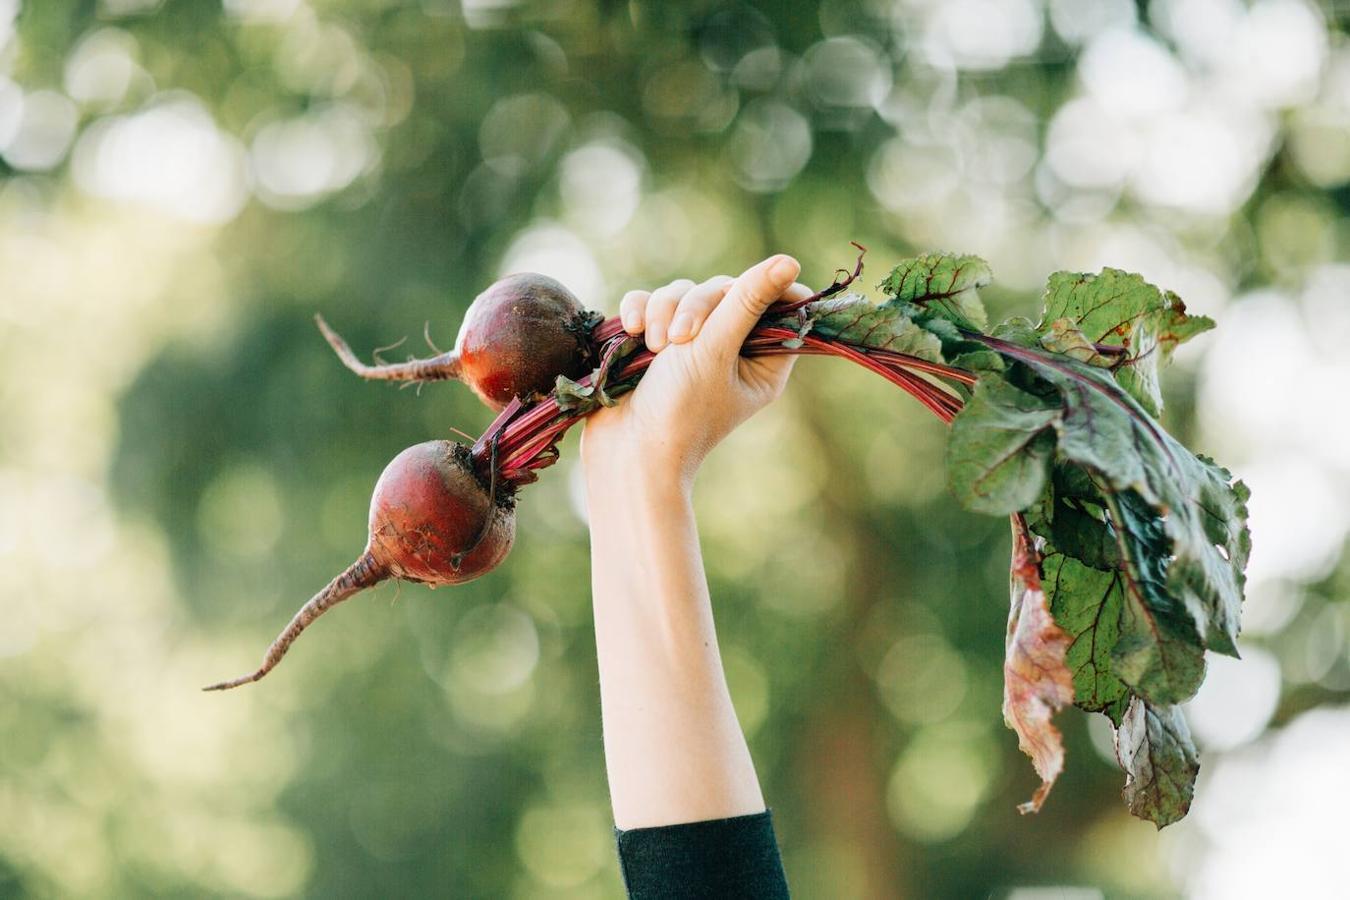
pixel 682 327
pixel 784 268
pixel 630 322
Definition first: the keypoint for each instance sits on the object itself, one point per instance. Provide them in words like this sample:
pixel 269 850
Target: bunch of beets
pixel 1128 550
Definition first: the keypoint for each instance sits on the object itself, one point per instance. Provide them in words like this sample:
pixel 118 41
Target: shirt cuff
pixel 736 857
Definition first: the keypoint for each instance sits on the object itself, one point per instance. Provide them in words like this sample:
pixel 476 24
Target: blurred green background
pixel 183 462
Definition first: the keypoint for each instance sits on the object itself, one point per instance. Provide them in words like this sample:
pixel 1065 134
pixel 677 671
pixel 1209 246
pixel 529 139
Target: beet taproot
pixel 433 520
pixel 517 337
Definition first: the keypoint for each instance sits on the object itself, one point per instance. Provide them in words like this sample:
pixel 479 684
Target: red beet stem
pixel 365 572
pixel 525 433
pixel 842 279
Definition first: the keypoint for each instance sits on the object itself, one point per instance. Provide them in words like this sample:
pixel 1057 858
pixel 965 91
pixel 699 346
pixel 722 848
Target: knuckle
pixel 750 303
pixel 698 302
pixel 632 298
pixel 675 289
pixel 668 295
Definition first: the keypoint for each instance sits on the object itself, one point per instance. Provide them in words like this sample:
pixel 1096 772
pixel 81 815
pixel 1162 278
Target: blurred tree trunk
pixel 845 757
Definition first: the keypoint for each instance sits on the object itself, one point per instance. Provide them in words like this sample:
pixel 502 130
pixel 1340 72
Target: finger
pixel 660 310
pixel 695 306
pixel 633 311
pixel 774 370
pixel 754 291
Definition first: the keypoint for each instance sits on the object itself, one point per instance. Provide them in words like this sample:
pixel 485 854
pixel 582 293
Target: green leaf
pixel 1153 745
pixel 1066 337
pixel 942 286
pixel 980 361
pixel 1202 513
pixel 1119 309
pixel 574 397
pixel 1087 604
pixel 999 451
pixel 1072 516
pixel 1017 330
pixel 1159 652
pixel 855 319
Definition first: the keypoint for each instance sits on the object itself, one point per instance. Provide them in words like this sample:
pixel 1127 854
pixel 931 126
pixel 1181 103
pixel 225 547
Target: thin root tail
pixel 365 572
pixel 444 367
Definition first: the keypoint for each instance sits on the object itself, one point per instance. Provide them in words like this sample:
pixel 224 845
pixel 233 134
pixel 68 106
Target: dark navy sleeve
pixel 722 858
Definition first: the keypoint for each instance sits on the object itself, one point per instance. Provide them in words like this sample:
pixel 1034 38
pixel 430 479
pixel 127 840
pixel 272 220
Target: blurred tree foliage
pixel 193 180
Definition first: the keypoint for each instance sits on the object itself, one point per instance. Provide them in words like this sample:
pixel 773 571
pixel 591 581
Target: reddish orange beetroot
pixel 518 336
pixel 432 520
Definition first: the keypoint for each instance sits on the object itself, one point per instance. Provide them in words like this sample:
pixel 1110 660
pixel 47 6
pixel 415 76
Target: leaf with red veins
pixel 855 320
pixel 943 285
pixel 1037 682
pixel 1137 325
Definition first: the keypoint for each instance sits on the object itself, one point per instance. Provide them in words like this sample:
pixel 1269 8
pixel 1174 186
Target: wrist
pixel 657 470
pixel 634 480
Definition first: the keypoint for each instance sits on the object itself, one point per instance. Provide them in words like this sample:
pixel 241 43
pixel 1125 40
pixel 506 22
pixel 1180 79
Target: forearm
pixel 674 750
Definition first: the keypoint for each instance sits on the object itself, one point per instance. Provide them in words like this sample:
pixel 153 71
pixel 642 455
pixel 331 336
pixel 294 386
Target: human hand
pixel 699 387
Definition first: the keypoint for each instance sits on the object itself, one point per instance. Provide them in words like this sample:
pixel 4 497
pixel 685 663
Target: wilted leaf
pixel 1036 680
pixel 1153 744
pixel 1159 653
pixel 573 396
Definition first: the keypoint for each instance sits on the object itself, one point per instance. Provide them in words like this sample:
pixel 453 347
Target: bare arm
pixel 674 750
pixel 673 747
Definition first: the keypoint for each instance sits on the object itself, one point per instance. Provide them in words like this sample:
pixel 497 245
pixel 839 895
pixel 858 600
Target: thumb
pixel 750 295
